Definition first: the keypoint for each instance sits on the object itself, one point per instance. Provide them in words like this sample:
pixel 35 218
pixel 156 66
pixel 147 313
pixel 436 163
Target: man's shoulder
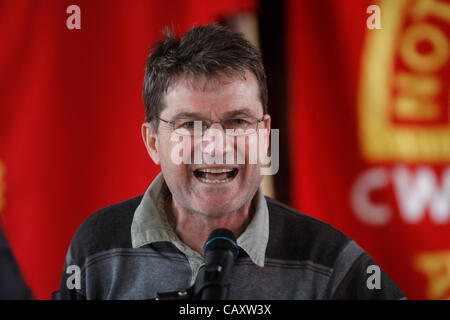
pixel 283 216
pixel 302 237
pixel 296 239
pixel 106 229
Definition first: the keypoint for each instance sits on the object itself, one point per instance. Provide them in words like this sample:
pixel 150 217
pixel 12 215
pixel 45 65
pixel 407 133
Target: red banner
pixel 70 115
pixel 370 130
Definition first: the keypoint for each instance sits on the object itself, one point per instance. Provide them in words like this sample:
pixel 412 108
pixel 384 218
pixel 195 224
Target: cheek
pixel 247 148
pixel 177 151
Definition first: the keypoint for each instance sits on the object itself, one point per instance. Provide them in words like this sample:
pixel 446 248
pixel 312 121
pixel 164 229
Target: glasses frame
pixel 210 123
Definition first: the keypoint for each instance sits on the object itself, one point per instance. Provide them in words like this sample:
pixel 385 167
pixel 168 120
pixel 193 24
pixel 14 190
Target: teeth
pixel 214 181
pixel 218 170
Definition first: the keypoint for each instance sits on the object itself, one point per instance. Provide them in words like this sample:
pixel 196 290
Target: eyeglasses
pixel 233 127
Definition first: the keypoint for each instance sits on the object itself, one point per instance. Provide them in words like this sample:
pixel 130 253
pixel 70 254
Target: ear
pixel 150 138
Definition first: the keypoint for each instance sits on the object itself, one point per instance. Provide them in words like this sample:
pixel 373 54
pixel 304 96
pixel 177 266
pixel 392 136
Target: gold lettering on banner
pixel 436 267
pixel 431 8
pixel 417 98
pixel 433 61
pixel 2 186
pixel 404 93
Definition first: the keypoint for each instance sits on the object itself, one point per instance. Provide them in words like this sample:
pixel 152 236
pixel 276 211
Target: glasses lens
pixel 189 127
pixel 240 126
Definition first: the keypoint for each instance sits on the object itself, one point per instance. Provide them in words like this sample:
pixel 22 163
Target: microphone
pixel 213 280
pixel 220 250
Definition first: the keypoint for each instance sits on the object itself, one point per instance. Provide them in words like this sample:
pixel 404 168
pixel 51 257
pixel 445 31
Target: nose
pixel 217 126
pixel 215 145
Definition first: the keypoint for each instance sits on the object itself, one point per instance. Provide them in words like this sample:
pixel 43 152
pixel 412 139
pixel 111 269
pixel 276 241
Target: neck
pixel 194 228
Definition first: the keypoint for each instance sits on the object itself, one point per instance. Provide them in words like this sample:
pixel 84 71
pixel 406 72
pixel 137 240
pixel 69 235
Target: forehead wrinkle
pixel 206 82
pixel 211 84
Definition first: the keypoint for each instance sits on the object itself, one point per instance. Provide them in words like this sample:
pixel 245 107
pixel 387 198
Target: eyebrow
pixel 187 114
pixel 238 112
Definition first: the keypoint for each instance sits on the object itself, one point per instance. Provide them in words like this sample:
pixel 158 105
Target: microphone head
pixel 222 239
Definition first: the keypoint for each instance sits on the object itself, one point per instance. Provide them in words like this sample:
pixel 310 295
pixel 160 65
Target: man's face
pixel 192 186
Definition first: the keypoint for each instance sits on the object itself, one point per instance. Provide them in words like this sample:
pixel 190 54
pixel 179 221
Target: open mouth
pixel 216 175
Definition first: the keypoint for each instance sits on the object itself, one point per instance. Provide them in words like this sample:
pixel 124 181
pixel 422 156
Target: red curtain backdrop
pixel 70 116
pixel 370 131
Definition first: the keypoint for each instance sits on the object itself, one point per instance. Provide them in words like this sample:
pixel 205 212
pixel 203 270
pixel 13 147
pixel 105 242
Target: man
pixel 206 98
